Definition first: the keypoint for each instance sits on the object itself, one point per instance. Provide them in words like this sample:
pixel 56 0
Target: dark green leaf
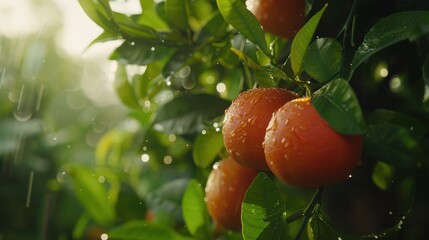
pixel 382 175
pixel 140 230
pixel 195 212
pixel 178 60
pixel 140 53
pixel 168 198
pixel 425 70
pixel 337 104
pixel 186 114
pixel 382 116
pixel 323 59
pixel 390 30
pixel 320 229
pixel 392 144
pixel 236 14
pixel 124 89
pixel 263 211
pixel 302 40
pixel 215 27
pixel 206 147
pixel 100 13
pixel 92 195
pixel 178 13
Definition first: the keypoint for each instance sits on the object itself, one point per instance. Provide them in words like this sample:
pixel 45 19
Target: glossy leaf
pixel 167 199
pixel 425 70
pixel 390 30
pixel 100 13
pixel 206 147
pixel 337 104
pixel 140 53
pixel 268 69
pixel 178 60
pixel 131 29
pixel 178 13
pixel 392 144
pixel 92 195
pixel 124 89
pixel 195 211
pixel 186 114
pixel 236 14
pixel 140 230
pixel 323 59
pixel 302 40
pixel 104 37
pixel 215 27
pixel 263 210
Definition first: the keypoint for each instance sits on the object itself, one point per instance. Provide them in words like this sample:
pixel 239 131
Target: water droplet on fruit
pixel 252 121
pixel 285 142
pixel 350 176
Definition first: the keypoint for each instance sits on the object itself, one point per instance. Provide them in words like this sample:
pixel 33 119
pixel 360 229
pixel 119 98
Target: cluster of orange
pixel 274 129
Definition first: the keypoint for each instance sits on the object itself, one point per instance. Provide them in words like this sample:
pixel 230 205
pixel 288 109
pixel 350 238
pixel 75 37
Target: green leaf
pixel 425 71
pixel 104 37
pixel 131 29
pixel 178 60
pixel 383 116
pixel 215 27
pixel 323 59
pixel 263 210
pixel 149 17
pixel 390 30
pixel 140 230
pixel 206 148
pixel 140 53
pixel 302 40
pixel 167 199
pixel 177 12
pixel 100 12
pixel 236 14
pixel 186 114
pixel 92 195
pixel 336 102
pixel 124 89
pixel 195 211
pixel 382 175
pixel 393 145
pixel 320 229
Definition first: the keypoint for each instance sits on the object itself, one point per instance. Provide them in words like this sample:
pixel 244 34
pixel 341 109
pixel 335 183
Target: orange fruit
pixel 280 17
pixel 225 190
pixel 303 150
pixel 245 123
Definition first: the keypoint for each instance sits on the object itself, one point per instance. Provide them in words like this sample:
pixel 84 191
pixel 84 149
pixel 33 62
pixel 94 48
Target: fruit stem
pixel 317 198
pixel 295 216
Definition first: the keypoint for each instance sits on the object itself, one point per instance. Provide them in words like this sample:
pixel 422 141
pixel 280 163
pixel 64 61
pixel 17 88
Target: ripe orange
pixel 280 17
pixel 225 190
pixel 303 150
pixel 245 123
